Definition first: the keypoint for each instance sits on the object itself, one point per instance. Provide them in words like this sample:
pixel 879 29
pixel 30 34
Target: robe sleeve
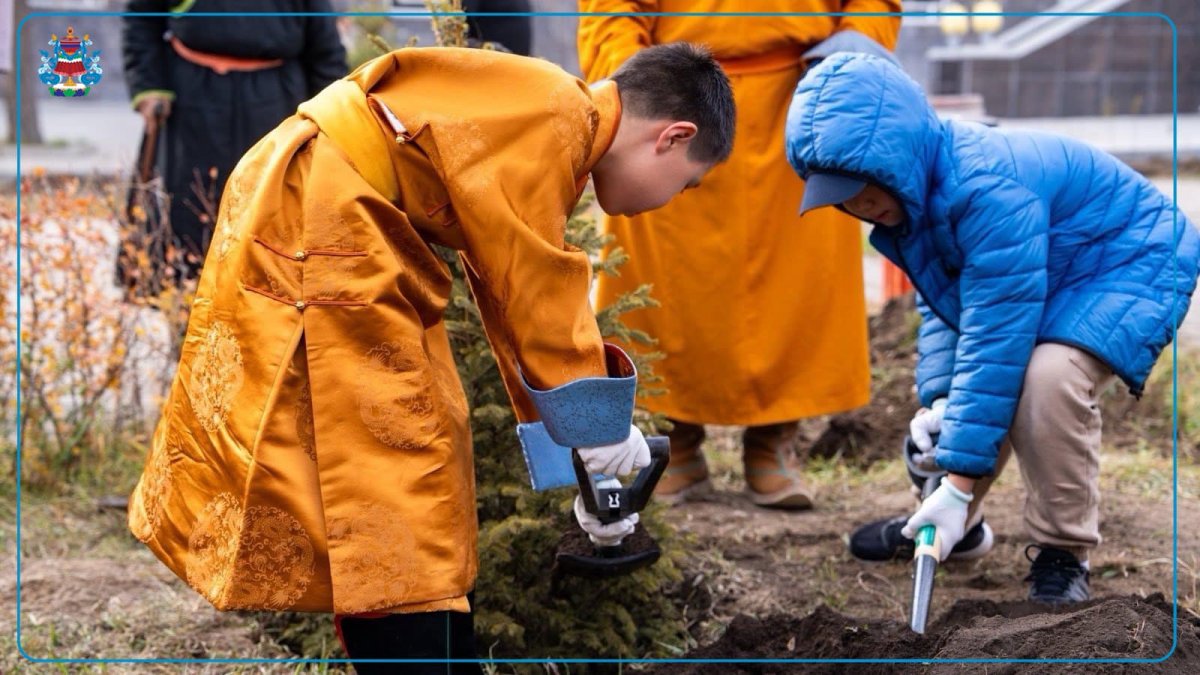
pixel 532 288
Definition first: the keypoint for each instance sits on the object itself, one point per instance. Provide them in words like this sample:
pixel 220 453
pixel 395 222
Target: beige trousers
pixel 1055 435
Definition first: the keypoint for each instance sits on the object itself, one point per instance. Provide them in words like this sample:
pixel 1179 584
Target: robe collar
pixel 608 107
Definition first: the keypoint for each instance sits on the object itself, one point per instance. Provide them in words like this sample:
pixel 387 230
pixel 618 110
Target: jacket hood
pixel 860 115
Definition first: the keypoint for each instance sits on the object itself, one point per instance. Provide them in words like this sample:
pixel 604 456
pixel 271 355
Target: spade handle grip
pixel 613 504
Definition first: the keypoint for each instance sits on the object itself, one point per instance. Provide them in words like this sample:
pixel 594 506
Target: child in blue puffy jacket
pixel 1045 269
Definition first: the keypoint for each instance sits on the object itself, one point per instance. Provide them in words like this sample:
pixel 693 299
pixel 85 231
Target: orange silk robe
pixel 314 453
pixel 763 317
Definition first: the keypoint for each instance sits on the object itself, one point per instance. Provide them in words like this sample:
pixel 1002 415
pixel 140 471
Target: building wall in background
pixel 1110 66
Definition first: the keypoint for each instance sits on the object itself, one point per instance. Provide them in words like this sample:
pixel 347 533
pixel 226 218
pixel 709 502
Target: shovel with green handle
pixel 929 545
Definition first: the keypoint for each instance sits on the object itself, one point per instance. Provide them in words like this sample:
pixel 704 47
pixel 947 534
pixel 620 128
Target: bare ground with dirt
pixel 1115 628
pixel 761 562
pixel 91 591
pixel 790 574
pixel 781 567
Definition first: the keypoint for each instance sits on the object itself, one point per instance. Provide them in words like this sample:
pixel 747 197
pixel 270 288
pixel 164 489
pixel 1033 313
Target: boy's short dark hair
pixel 681 81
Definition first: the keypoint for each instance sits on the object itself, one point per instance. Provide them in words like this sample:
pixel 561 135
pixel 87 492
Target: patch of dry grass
pixel 89 590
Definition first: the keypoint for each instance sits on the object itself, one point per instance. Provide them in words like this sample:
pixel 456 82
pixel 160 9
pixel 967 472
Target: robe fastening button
pixel 300 305
pixel 300 255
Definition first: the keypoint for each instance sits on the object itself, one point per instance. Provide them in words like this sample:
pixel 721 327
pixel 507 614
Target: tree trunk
pixel 10 107
pixel 8 14
pixel 26 80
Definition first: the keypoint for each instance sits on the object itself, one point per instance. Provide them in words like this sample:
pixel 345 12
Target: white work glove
pixel 946 510
pixel 618 459
pixel 926 423
pixel 601 534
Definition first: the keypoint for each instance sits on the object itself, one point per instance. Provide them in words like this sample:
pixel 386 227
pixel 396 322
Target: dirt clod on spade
pixel 575 541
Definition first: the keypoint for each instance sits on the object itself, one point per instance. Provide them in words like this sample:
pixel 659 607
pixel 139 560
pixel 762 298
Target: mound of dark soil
pixel 1113 628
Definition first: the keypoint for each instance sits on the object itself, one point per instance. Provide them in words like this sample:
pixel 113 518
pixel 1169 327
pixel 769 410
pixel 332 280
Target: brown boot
pixel 772 472
pixel 687 473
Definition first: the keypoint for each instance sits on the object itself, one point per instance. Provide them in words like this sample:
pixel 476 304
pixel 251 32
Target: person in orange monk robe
pixel 314 452
pixel 762 317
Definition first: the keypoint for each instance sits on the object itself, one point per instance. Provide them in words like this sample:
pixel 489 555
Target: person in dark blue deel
pixel 1044 270
pixel 219 80
pixel 511 32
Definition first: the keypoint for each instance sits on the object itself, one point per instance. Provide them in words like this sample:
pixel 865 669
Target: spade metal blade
pixel 925 562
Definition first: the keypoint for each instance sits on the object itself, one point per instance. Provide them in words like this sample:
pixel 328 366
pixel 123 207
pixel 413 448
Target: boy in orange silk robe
pixel 314 452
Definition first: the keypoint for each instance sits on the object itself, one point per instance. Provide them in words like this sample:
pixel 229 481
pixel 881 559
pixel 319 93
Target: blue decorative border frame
pixel 1175 454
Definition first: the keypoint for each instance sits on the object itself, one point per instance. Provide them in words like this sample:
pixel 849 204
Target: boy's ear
pixel 675 134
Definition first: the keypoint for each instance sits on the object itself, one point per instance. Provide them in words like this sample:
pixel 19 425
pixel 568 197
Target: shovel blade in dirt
pixel 925 562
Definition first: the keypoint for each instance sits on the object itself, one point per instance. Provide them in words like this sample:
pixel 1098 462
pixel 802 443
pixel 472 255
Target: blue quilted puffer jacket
pixel 1012 238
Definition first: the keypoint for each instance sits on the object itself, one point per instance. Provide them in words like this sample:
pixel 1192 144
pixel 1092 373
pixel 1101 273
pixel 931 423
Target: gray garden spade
pixel 927 553
pixel 610 501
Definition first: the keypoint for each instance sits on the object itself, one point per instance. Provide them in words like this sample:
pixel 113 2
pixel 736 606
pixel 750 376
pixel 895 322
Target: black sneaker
pixel 881 540
pixel 1057 576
